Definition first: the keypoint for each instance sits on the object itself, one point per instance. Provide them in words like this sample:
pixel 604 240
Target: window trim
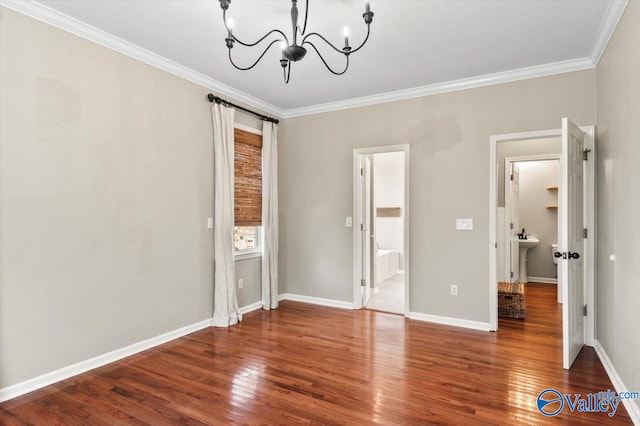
pixel 251 252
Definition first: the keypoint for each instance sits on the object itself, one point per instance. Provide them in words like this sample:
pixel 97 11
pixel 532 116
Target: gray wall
pixel 106 172
pixel 535 177
pixel 521 149
pixel 250 270
pixel 449 139
pixel 618 289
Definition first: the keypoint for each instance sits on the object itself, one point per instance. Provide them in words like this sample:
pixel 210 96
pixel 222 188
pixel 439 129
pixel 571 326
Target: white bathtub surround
pixel 387 265
pixel 388 195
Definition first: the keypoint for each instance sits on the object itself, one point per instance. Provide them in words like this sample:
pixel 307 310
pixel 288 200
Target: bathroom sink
pixel 524 246
pixel 530 242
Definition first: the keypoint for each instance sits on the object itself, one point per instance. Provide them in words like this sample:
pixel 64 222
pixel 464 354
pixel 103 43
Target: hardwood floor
pixel 306 364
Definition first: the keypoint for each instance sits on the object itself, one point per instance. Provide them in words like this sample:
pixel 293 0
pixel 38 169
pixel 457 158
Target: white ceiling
pixel 412 43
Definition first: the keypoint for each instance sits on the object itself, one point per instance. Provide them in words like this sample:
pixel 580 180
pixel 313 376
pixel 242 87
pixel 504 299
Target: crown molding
pixel 609 23
pixel 52 17
pixel 74 26
pixel 448 86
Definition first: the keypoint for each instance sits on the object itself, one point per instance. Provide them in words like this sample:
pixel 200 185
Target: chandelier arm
pixel 257 60
pixel 224 20
pixel 325 62
pixel 363 43
pixel 335 48
pixel 304 40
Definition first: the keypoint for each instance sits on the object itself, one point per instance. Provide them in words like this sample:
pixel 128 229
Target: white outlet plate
pixel 464 224
pixel 240 283
pixel 210 223
pixel 348 222
pixel 454 290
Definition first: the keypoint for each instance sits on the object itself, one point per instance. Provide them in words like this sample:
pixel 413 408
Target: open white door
pixel 572 241
pixel 514 213
pixel 365 226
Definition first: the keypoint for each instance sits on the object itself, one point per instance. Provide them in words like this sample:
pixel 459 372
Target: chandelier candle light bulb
pixel 294 51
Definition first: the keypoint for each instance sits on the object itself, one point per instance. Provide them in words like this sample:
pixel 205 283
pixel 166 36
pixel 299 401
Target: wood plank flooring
pixel 306 364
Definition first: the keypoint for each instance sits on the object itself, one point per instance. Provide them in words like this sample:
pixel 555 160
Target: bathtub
pixel 387 264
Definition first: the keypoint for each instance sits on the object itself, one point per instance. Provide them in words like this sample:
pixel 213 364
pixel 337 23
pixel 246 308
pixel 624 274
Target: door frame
pixel 507 202
pixel 357 212
pixel 589 221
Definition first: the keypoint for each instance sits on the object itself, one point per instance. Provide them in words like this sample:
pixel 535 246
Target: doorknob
pixel 557 254
pixel 574 255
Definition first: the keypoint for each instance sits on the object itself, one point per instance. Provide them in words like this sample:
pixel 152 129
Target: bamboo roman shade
pixel 248 178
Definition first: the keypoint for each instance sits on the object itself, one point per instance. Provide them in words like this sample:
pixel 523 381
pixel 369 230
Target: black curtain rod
pixel 213 98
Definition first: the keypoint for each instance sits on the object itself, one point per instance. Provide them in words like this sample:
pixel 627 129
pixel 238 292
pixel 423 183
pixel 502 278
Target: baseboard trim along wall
pixel 316 300
pixel 63 373
pixel 249 308
pixel 632 407
pixel 456 322
pixel 542 280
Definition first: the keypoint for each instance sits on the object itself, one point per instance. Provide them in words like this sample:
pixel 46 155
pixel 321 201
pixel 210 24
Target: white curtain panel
pixel 270 215
pixel 225 308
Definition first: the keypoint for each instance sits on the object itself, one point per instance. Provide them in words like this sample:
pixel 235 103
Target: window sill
pixel 250 255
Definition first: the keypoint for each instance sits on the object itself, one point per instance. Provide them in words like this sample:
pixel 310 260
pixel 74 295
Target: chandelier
pixel 294 50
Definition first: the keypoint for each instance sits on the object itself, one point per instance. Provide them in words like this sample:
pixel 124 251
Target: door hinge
pixel 585 154
pixel 584 233
pixel 362 226
pixel 584 310
pixel 363 282
pixel 511 176
pixel 511 225
pixel 362 171
pixel 496 245
pixel 511 274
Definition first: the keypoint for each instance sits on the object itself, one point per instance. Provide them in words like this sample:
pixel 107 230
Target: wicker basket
pixel 511 300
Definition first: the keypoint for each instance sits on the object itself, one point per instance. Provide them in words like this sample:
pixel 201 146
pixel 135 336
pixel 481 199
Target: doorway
pixel 381 228
pixel 528 214
pixel 576 202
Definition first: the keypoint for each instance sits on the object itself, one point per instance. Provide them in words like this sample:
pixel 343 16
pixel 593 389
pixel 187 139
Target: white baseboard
pixel 632 407
pixel 63 373
pixel 316 300
pixel 249 308
pixel 543 280
pixel 456 322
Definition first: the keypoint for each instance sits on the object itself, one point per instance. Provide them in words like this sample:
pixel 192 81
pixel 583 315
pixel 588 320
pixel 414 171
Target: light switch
pixel 349 222
pixel 210 223
pixel 464 224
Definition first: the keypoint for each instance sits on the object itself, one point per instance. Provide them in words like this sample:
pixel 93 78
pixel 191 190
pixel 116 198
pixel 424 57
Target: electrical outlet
pixel 454 290
pixel 210 223
pixel 240 283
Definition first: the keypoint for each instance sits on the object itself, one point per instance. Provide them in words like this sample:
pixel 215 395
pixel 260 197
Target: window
pixel 246 238
pixel 247 192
